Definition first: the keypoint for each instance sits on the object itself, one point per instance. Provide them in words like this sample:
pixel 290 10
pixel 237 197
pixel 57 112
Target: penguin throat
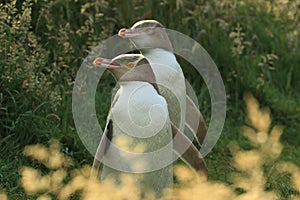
pixel 155 51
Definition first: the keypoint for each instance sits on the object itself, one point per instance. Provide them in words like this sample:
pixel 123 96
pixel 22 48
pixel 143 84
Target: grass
pixel 43 44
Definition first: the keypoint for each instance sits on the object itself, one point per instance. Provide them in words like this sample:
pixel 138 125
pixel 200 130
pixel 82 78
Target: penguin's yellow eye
pixel 130 65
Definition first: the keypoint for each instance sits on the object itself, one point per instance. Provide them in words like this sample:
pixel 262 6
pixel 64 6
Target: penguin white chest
pixel 139 111
pixel 140 125
pixel 171 83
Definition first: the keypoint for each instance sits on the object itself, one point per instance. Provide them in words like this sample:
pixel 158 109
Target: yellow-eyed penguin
pixel 150 34
pixel 142 75
pixel 138 122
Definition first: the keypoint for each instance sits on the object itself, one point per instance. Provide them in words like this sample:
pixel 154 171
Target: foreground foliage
pixel 251 176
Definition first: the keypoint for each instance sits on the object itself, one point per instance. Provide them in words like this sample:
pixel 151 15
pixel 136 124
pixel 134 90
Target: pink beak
pixel 128 33
pixel 106 63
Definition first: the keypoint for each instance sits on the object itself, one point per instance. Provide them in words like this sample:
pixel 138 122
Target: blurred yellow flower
pixel 3 196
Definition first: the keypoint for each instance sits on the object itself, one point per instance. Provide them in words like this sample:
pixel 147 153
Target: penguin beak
pixel 106 63
pixel 129 33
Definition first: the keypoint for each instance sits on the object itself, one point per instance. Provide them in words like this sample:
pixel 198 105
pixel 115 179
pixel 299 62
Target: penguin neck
pixel 162 57
pixel 128 85
pixel 125 84
pixel 157 51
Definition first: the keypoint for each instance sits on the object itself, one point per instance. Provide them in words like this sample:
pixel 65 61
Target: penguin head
pixel 128 67
pixel 119 65
pixel 147 34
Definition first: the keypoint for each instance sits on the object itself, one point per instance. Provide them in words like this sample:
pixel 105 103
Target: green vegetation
pixel 255 44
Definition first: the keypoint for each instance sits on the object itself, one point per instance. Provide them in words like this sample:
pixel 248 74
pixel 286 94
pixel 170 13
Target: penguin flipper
pixel 195 121
pixel 191 156
pixel 102 148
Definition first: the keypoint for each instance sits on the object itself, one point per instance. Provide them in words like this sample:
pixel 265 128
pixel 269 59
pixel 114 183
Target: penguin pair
pixel 152 88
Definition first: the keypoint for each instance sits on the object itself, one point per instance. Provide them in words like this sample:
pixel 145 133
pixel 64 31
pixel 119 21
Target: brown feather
pixel 195 120
pixel 191 156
